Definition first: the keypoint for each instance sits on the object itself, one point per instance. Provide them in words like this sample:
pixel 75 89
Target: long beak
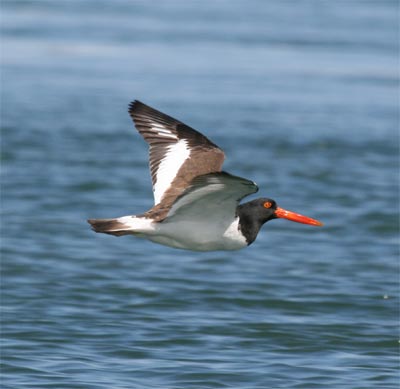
pixel 296 217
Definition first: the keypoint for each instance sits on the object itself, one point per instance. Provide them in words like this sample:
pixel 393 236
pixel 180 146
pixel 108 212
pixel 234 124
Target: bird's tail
pixel 117 227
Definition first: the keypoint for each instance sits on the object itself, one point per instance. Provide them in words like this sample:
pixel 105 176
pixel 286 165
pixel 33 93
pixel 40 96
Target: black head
pixel 260 210
pixel 257 212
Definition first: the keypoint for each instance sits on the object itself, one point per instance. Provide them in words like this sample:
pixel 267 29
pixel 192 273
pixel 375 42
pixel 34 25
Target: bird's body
pixel 196 204
pixel 196 235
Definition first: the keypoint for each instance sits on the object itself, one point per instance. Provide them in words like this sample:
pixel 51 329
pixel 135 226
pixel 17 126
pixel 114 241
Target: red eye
pixel 267 204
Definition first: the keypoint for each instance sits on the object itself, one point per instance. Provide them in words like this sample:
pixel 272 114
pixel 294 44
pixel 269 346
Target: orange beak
pixel 296 217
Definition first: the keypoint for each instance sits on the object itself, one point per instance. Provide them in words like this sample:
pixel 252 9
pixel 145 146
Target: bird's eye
pixel 267 204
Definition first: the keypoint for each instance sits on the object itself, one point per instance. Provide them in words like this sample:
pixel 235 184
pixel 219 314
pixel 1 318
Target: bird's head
pixel 265 209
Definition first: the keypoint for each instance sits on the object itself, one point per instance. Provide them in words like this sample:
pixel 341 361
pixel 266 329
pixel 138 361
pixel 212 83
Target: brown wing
pixel 178 153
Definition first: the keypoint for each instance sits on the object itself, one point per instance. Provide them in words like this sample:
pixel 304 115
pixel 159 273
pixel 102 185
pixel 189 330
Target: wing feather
pixel 212 194
pixel 178 153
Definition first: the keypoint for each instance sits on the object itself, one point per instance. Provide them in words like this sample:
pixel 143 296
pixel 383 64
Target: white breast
pixel 198 236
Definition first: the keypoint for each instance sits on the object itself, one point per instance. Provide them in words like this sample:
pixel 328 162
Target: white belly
pixel 199 236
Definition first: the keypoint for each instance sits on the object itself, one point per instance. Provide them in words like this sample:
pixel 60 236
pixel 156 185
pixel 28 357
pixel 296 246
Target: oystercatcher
pixel 196 204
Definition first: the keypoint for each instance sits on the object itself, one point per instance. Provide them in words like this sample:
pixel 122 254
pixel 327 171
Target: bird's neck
pixel 249 223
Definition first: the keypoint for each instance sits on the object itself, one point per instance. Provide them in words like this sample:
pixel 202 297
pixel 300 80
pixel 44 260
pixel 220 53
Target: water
pixel 303 98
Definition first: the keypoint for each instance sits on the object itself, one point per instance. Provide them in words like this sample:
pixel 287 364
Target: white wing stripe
pixel 169 166
pixel 170 136
pixel 160 127
pixel 163 131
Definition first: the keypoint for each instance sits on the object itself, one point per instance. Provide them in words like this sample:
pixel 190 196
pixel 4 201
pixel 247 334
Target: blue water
pixel 303 96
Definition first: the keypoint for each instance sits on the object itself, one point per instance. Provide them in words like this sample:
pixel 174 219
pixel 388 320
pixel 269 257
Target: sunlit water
pixel 303 98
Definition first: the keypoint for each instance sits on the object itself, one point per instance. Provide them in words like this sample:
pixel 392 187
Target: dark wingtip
pixel 138 110
pixel 136 105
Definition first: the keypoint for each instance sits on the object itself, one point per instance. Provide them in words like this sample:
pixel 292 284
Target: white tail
pixel 126 225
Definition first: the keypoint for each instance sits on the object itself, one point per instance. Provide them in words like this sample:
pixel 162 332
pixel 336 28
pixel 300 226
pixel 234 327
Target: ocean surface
pixel 303 96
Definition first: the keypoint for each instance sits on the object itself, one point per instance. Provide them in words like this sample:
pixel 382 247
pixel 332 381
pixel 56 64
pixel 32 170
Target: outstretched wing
pixel 178 153
pixel 214 195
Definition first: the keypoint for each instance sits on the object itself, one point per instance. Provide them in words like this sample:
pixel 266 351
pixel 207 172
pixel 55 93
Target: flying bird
pixel 196 204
